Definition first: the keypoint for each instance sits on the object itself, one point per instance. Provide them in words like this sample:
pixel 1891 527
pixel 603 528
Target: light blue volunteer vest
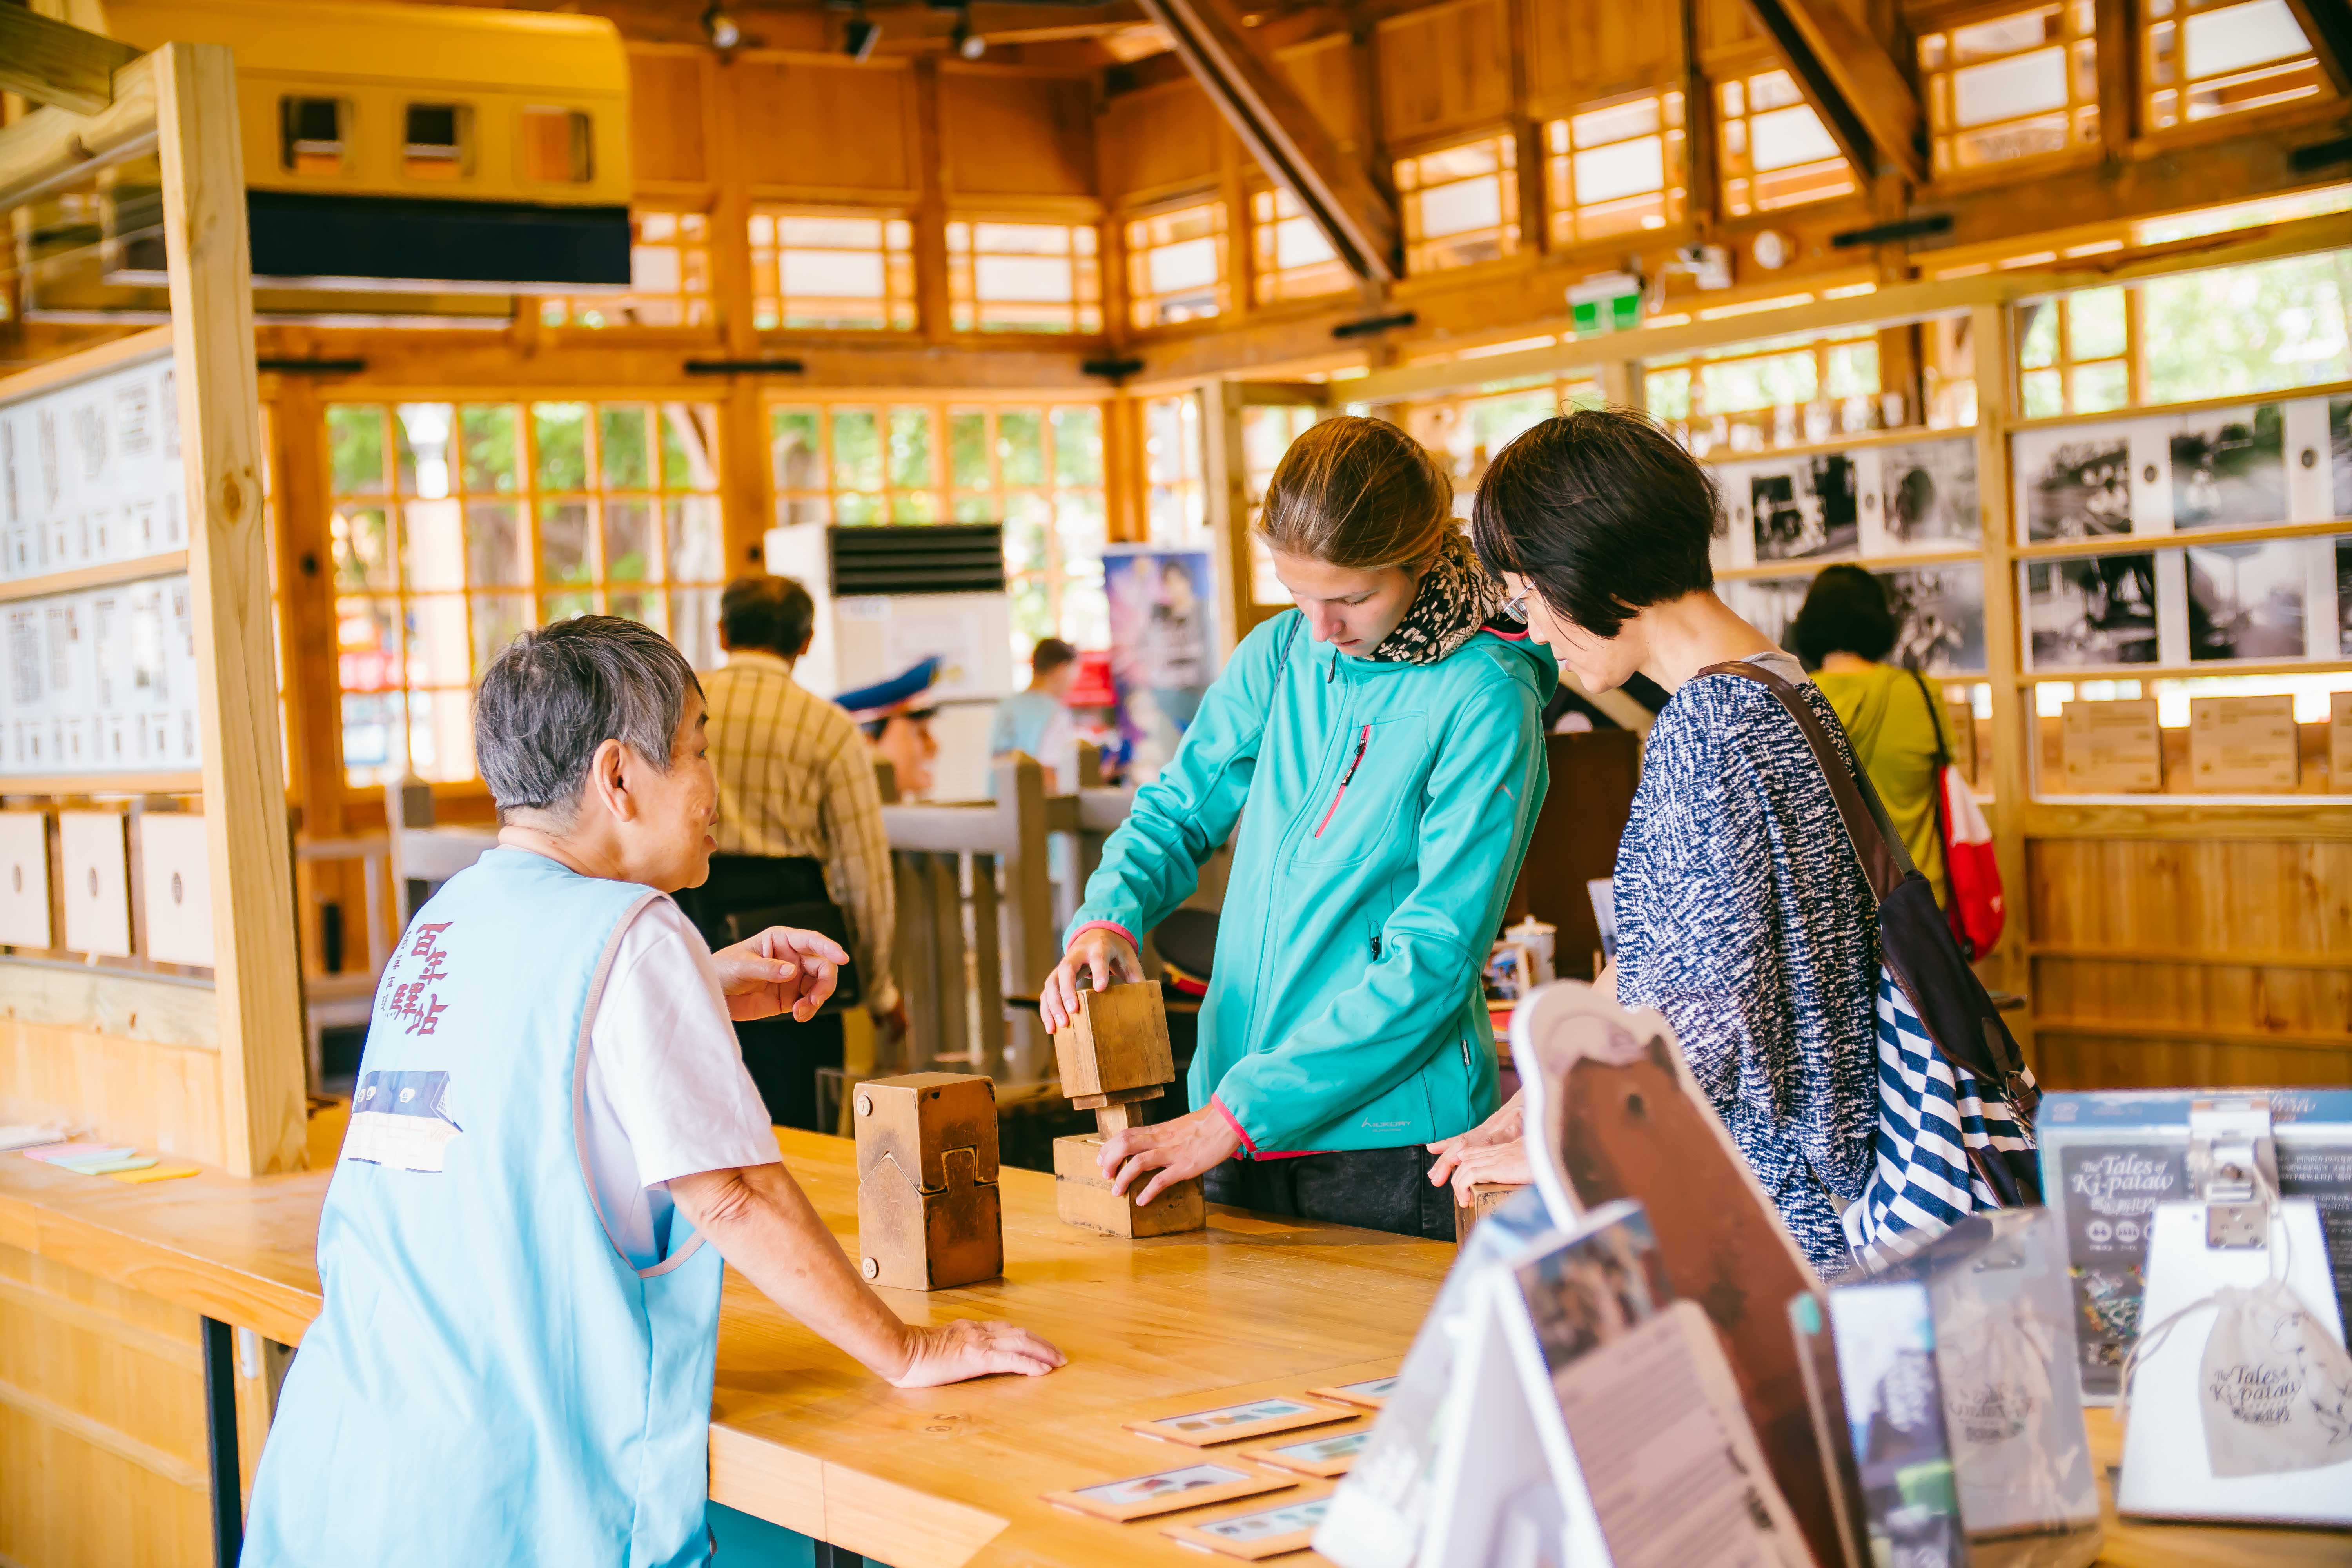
pixel 491 1380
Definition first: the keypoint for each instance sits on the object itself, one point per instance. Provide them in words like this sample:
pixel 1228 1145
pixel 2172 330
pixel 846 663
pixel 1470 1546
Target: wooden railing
pixel 984 890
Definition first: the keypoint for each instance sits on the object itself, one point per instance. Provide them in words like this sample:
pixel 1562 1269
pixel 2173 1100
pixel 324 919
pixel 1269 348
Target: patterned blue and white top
pixel 1743 916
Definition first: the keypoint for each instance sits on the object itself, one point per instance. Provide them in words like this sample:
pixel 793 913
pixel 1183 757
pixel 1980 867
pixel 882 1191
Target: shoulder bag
pixel 1976 911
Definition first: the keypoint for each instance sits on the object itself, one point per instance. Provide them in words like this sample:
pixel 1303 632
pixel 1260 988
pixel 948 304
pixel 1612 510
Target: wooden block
pixel 914 1118
pixel 1082 1196
pixel 2245 744
pixel 930 1214
pixel 1484 1198
pixel 2111 747
pixel 1118 1041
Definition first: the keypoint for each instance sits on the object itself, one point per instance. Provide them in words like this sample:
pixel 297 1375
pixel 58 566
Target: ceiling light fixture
pixel 726 34
pixel 859 34
pixel 967 44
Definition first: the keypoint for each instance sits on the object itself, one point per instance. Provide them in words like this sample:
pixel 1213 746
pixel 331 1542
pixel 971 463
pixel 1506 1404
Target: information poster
pixel 100 681
pixel 90 473
pixel 2111 748
pixel 2243 745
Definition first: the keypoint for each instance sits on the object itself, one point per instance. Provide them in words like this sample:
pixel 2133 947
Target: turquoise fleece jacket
pixel 1389 805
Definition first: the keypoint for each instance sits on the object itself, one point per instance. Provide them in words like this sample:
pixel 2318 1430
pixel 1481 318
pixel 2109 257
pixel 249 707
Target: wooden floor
pixel 802 1436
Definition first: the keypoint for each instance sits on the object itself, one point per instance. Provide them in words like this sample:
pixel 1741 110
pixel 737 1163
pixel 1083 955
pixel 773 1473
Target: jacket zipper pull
pixel 1333 673
pixel 1376 944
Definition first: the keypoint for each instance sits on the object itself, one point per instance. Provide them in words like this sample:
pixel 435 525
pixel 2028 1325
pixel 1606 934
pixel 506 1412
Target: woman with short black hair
pixel 1741 912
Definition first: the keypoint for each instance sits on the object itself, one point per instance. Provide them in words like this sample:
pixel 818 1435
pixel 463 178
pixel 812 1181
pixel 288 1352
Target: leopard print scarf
pixel 1456 600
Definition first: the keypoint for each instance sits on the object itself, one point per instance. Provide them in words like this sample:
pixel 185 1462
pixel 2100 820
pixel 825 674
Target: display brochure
pixel 2108 1159
pixel 2243 743
pixel 2111 747
pixel 2339 739
pixel 2240 1395
pixel 1889 1408
pixel 1164 1491
pixel 1998 1291
pixel 1609 1084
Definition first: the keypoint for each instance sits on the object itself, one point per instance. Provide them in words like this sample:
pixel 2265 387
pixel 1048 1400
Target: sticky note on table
pixel 96 1165
pixel 51 1154
pixel 153 1173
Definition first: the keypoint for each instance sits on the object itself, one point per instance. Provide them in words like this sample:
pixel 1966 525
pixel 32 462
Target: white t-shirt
pixel 667 1093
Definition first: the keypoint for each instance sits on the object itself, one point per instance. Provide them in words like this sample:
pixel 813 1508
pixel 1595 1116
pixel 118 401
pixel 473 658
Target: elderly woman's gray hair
pixel 552 696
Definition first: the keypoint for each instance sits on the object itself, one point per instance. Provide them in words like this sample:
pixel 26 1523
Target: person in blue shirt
pixel 1384 738
pixel 1028 721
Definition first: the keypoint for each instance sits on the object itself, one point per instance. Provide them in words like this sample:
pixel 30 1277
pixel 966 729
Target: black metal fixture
pixel 1894 233
pixel 969 44
pixel 311 366
pixel 744 367
pixel 1371 326
pixel 860 34
pixel 719 25
pixel 2320 154
pixel 1115 369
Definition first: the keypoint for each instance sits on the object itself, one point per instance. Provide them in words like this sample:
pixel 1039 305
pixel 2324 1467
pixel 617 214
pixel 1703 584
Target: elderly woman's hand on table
pixel 1494 1150
pixel 778 971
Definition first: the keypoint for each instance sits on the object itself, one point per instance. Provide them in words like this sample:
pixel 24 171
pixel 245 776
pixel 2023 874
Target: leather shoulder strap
pixel 1935 727
pixel 1879 849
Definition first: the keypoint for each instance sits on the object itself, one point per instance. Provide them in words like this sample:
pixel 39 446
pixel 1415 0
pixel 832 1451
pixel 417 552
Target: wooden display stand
pixel 929 1214
pixel 1112 1055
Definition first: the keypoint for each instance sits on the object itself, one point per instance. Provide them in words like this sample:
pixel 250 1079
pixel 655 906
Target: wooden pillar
pixel 934 305
pixel 2014 727
pixel 305 604
pixel 1032 945
pixel 1225 467
pixel 745 490
pixel 257 975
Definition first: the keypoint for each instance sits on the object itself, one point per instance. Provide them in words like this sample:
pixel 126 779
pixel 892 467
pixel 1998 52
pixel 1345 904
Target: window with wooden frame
pixel 1616 168
pixel 2074 352
pixel 1266 434
pixel 1776 151
pixel 1035 467
pixel 1175 471
pixel 1290 258
pixel 1461 204
pixel 816 270
pixel 2272 326
pixel 455 526
pixel 1177 265
pixel 310 135
pixel 2203 59
pixel 2023 84
pixel 669 277
pixel 1770 394
pixel 1465 432
pixel 1009 276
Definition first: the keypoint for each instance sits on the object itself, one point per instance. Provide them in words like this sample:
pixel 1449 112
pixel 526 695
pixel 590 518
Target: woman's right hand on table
pixel 962 1350
pixel 1494 1150
pixel 1101 953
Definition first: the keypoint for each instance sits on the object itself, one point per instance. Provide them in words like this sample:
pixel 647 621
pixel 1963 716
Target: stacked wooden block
pixel 1113 1054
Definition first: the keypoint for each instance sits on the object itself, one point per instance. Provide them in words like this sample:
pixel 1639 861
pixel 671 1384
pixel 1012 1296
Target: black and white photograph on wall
pixel 2077 488
pixel 2245 601
pixel 2340 452
pixel 1805 508
pixel 2229 470
pixel 1927 492
pixel 2094 611
pixel 1939 615
pixel 1769 603
pixel 2344 596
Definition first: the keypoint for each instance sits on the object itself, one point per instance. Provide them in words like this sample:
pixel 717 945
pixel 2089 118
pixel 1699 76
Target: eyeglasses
pixel 1516 609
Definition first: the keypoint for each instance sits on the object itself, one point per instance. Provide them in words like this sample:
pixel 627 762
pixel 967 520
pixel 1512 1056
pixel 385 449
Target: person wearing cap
pixel 896 715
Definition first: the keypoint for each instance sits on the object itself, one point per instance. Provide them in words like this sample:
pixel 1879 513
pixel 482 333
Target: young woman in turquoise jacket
pixel 1385 737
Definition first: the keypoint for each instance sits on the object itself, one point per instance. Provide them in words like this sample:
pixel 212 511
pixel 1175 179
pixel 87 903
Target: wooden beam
pixel 57 63
pixel 1282 133
pixel 256 973
pixel 53 147
pixel 1863 97
pixel 2327 24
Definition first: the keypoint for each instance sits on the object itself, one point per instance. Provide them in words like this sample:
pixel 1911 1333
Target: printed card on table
pixel 1269 1532
pixel 1164 1491
pixel 1372 1393
pixel 1231 1423
pixel 1324 1456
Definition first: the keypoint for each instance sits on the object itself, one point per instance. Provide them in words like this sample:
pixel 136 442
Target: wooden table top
pixel 803 1437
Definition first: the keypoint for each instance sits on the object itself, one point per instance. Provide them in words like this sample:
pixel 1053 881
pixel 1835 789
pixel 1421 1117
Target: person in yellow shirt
pixel 1894 716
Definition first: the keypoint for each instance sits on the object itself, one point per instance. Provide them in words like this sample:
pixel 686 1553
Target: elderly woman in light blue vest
pixel 514 1361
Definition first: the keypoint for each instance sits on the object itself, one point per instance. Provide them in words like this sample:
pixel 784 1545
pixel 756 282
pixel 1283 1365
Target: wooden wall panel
pixel 1445 69
pixel 2311 1004
pixel 1728 26
pixel 163 1097
pixel 668 95
pixel 1017 134
pixel 812 125
pixel 2214 899
pixel 101 1423
pixel 1579 50
pixel 1324 71
pixel 1161 140
pixel 2064 1061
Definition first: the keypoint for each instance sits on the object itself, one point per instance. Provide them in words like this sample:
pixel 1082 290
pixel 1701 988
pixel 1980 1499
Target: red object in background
pixel 1091 688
